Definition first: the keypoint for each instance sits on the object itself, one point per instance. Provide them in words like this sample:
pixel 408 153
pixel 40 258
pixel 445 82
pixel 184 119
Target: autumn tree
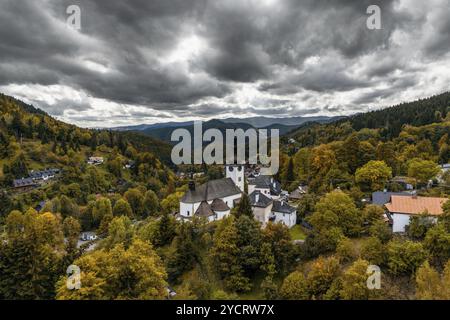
pixel 354 281
pixel 120 231
pixel 428 283
pixel 295 287
pixel 184 255
pixel 151 203
pixel 320 277
pixel 437 243
pixel 225 256
pixel 136 200
pixel 119 273
pixel 405 257
pixel 373 175
pixel 278 236
pixel 122 208
pixel 249 243
pixel 337 209
pixel 422 170
pixel 373 251
pixel 31 255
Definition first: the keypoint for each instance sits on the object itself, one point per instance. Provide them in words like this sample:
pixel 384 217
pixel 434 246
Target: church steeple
pixel 236 173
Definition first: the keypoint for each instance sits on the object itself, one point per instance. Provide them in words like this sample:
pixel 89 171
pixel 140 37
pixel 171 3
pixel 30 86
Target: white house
pixel 95 160
pixel 284 213
pixel 267 185
pixel 266 209
pixel 214 199
pixel 401 208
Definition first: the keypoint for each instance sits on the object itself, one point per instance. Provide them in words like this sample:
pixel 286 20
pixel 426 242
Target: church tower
pixel 236 173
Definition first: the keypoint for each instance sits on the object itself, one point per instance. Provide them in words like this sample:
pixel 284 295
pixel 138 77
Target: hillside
pixel 32 140
pixel 388 121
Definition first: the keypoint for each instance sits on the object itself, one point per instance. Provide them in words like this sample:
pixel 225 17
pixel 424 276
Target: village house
pixel 129 165
pixel 401 208
pixel 266 209
pixel 267 185
pixel 95 160
pixel 298 193
pixel 380 198
pixel 24 184
pixel 44 175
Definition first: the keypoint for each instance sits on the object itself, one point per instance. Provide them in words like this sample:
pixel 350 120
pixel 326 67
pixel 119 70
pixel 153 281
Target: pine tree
pixel 244 207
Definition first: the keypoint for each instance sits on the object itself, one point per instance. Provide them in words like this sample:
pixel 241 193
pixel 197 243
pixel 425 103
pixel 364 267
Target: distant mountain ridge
pixel 163 131
pixel 261 122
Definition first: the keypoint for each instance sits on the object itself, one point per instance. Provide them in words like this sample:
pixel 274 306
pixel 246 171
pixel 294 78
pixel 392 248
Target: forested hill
pixel 15 102
pixel 31 140
pixel 26 121
pixel 388 121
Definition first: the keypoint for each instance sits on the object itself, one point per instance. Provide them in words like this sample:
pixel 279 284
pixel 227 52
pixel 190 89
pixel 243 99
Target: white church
pixel 214 199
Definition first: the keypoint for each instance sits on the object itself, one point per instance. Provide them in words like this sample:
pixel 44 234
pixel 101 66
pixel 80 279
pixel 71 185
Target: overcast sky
pixel 147 61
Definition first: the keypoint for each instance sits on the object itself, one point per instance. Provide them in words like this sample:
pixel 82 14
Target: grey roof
pixel 24 182
pixel 42 173
pixel 204 210
pixel 296 194
pixel 219 205
pixel 282 206
pixel 263 201
pixel 381 198
pixel 267 182
pixel 211 190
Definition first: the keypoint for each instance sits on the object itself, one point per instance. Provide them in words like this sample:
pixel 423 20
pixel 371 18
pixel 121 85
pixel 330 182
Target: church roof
pixel 204 210
pixel 219 205
pixel 211 190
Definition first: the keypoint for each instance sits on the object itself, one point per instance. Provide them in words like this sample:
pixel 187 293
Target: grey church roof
pixel 219 205
pixel 211 190
pixel 267 182
pixel 263 201
pixel 381 198
pixel 204 210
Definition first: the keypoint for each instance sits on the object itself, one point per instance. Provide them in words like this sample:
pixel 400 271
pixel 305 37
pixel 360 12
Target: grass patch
pixel 297 232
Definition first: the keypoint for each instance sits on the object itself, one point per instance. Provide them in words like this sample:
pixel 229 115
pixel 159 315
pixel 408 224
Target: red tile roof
pixel 415 205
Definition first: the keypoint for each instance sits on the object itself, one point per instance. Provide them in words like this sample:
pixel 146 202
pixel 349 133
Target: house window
pixel 239 179
pixel 188 212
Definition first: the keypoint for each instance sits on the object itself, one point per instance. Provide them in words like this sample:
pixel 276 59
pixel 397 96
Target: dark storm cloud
pixel 179 57
pixel 395 86
pixel 59 107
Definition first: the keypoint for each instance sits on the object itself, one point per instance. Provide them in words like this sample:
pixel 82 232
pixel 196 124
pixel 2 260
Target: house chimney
pixel 257 198
pixel 271 180
pixel 274 185
pixel 385 190
pixel 192 185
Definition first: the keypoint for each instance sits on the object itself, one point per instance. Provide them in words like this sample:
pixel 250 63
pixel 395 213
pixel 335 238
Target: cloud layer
pixel 145 61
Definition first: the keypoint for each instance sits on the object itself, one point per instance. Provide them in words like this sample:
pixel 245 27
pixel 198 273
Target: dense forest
pixel 129 200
